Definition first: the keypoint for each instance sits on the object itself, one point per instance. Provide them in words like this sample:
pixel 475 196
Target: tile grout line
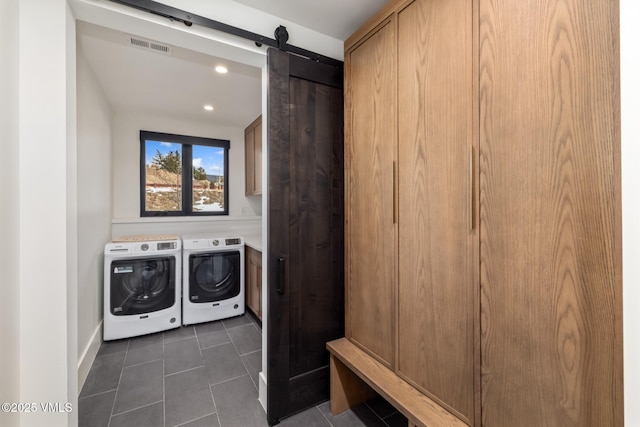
pixel 97 394
pixel 164 388
pixel 183 371
pixel 323 416
pixel 247 369
pixel 236 349
pixel 230 379
pixel 142 363
pixel 198 343
pixel 215 407
pixel 378 415
pixel 115 397
pixel 234 344
pixel 199 418
pixel 135 409
pixel 251 352
pixel 216 345
pixel 181 338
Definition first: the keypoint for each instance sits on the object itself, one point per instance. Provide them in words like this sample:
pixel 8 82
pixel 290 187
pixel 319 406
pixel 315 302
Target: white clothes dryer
pixel 213 278
pixel 141 286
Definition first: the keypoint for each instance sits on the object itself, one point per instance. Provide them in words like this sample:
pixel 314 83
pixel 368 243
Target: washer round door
pixel 214 276
pixel 142 285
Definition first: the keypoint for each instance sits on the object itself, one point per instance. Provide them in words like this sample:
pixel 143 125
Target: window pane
pixel 208 178
pixel 163 176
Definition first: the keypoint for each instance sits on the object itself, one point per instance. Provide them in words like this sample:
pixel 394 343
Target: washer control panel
pixel 164 246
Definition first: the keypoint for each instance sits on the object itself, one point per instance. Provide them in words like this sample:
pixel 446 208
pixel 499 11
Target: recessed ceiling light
pixel 208 107
pixel 221 69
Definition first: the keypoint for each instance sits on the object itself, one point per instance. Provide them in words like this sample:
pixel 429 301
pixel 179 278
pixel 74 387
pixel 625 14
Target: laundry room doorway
pixel 173 32
pixel 125 86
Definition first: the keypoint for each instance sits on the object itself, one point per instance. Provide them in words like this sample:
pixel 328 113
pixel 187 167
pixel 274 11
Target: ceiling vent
pixel 148 45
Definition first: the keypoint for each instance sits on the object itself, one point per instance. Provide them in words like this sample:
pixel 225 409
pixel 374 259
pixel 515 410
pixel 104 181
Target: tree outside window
pixel 169 187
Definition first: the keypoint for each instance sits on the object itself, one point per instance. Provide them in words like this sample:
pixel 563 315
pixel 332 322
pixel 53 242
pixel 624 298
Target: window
pixel 183 175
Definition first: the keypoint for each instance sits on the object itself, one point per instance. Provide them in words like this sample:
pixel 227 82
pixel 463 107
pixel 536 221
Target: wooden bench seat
pixel 356 377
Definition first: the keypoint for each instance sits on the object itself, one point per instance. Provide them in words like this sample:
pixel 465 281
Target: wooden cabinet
pixel 253 158
pixel 253 280
pixel 410 271
pixel 550 213
pixel 483 233
pixel 370 158
pixel 435 238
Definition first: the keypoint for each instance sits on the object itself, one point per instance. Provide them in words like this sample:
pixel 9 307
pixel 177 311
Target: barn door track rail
pixel 281 35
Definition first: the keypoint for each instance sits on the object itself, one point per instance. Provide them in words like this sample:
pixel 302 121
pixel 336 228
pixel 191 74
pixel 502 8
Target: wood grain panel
pixel 435 285
pixel 305 268
pixel 370 143
pixel 550 213
pixel 253 157
pixel 418 408
pixel 315 224
pixel 253 280
pixel 249 161
pixel 257 157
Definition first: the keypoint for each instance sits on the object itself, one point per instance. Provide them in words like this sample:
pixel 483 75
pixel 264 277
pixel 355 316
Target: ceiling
pixel 180 83
pixel 336 18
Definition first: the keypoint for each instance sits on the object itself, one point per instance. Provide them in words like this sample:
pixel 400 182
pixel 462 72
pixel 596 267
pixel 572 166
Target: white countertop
pixel 253 241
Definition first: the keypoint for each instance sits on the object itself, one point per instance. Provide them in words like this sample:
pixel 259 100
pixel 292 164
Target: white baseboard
pixel 88 356
pixel 262 390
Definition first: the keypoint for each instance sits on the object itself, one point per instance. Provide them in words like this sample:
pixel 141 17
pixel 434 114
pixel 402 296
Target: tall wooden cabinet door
pixel 370 147
pixel 435 269
pixel 550 213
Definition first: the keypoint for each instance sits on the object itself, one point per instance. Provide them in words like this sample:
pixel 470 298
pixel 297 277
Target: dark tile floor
pixel 196 376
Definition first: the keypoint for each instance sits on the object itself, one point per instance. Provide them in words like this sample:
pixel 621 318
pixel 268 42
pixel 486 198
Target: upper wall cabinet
pixel 482 156
pixel 253 157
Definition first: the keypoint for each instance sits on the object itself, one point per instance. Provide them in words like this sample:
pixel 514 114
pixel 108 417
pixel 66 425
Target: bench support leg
pixel 347 389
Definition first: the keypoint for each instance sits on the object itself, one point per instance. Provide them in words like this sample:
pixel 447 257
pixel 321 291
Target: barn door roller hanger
pixel 281 35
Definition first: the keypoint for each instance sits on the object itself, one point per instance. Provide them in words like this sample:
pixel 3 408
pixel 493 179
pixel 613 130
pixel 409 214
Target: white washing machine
pixel 213 278
pixel 141 286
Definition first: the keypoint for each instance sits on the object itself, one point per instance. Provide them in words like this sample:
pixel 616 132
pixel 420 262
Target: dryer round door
pixel 142 285
pixel 214 276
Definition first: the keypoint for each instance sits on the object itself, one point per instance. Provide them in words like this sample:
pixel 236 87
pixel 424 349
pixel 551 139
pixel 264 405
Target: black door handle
pixel 281 276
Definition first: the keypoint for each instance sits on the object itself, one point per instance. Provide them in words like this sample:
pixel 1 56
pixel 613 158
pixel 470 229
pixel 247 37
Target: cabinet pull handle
pixel 471 188
pixel 281 273
pixel 394 195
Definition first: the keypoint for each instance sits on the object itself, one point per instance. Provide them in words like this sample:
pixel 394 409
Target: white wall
pixel 9 213
pixel 245 17
pixel 46 115
pixel 71 217
pixel 94 208
pixel 126 155
pixel 630 94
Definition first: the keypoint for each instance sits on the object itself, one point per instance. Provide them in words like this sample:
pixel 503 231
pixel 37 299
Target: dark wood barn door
pixel 305 231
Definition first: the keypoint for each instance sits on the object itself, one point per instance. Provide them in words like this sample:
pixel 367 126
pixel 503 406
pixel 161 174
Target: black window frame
pixel 187 143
